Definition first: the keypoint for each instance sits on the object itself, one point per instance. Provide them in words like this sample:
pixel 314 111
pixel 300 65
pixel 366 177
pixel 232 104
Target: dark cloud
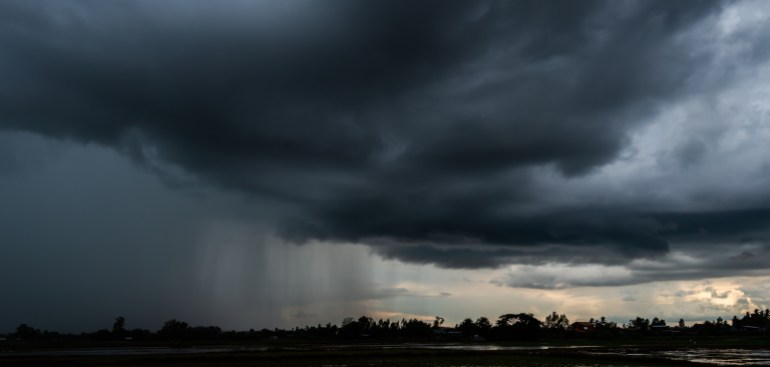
pixel 577 237
pixel 410 126
pixel 718 226
pixel 451 257
pixel 685 263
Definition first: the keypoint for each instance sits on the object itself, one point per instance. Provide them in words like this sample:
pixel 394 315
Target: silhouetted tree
pixel 555 321
pixel 484 326
pixel 640 325
pixel 173 329
pixel 416 328
pixel 508 326
pixel 118 328
pixel 438 322
pixel 347 321
pixel 605 329
pixel 468 328
pixel 352 329
pixel 26 332
pixel 556 325
pixel 521 325
pixel 366 325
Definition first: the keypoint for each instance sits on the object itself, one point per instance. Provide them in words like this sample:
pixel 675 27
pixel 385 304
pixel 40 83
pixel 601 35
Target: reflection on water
pixel 469 347
pixel 714 357
pixel 474 347
pixel 219 349
pixel 722 357
pixel 718 357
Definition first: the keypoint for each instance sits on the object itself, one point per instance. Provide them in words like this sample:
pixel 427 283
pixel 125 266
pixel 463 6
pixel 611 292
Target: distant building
pixel 583 326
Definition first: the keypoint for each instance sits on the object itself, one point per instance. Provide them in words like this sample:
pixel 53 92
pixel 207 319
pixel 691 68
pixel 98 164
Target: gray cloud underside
pixel 411 126
pixel 715 266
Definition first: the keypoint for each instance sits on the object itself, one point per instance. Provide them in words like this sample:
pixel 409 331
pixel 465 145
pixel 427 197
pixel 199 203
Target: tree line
pixel 513 326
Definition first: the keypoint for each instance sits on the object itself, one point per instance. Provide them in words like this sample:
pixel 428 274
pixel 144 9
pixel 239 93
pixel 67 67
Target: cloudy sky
pixel 256 164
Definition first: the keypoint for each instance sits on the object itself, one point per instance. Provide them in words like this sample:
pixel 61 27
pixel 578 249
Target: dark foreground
pixel 404 358
pixel 335 355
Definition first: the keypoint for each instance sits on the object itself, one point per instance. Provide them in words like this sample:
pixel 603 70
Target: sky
pixel 255 164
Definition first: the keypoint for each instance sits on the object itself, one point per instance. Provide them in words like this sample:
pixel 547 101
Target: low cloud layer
pixel 460 134
pixel 716 262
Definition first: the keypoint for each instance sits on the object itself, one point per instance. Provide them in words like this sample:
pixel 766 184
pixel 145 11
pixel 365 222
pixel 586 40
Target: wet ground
pixel 407 354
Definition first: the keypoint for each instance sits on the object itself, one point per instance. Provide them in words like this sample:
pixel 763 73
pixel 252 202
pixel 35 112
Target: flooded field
pixel 487 347
pixel 707 356
pixel 723 357
pixel 408 354
pixel 704 356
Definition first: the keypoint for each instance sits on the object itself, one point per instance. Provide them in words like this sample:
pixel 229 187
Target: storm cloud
pixel 461 134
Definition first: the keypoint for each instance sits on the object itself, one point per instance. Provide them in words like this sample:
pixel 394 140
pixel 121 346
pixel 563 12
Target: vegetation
pixel 507 327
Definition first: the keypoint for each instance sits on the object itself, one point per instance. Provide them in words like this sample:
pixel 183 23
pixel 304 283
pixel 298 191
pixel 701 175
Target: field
pixel 579 353
pixel 403 358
